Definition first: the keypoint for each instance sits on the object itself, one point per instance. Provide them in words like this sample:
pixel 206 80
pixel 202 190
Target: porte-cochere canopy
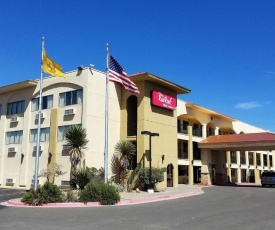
pixel 237 142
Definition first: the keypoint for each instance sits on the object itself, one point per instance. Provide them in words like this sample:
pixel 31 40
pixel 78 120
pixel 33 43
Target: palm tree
pixel 76 140
pixel 125 150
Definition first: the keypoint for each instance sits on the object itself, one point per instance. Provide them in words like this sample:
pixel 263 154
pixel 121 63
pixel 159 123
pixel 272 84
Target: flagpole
pixel 106 118
pixel 39 122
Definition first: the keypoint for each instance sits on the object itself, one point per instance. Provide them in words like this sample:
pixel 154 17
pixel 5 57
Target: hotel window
pixel 71 97
pixel 16 107
pixel 46 103
pixel 233 157
pixel 258 159
pixel 250 158
pixel 14 137
pixel 61 131
pixel 270 161
pixel 265 159
pixel 44 135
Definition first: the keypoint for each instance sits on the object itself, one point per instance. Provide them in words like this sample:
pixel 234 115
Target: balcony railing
pixel 210 133
pixel 182 154
pixel 197 132
pixel 258 162
pixel 243 161
pixel 233 159
pixel 182 129
pixel 251 161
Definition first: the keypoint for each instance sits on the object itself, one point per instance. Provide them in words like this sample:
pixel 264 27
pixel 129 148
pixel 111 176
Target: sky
pixel 222 50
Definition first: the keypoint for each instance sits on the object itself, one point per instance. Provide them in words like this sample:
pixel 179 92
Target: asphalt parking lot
pixel 7 194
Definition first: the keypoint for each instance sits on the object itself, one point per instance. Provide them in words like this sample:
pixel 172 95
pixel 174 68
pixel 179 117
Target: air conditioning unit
pixel 66 147
pixel 14 119
pixel 33 181
pixel 9 180
pixel 12 150
pixel 40 148
pixel 69 111
pixel 42 115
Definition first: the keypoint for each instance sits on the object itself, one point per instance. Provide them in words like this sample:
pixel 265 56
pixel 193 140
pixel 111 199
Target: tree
pixel 56 171
pixel 76 140
pixel 124 152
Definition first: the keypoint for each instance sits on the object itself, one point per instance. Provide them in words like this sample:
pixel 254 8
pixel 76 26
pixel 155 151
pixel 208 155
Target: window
pixel 183 170
pixel 258 159
pixel 44 135
pixel 265 159
pixel 14 137
pixel 46 103
pixel 71 97
pixel 61 131
pixel 251 158
pixel 233 157
pixel 16 107
pixel 270 161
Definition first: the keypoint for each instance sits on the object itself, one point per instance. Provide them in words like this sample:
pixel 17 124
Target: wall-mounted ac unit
pixel 14 119
pixel 42 115
pixel 12 150
pixel 66 147
pixel 40 148
pixel 33 181
pixel 9 180
pixel 69 111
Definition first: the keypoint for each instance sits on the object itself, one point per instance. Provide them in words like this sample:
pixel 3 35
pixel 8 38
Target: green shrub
pixel 118 187
pixel 81 177
pixel 48 193
pixel 157 175
pixel 71 196
pixel 99 192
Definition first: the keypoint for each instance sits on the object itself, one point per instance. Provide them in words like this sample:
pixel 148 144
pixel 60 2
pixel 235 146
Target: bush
pixel 48 193
pixel 71 196
pixel 118 187
pixel 157 175
pixel 81 177
pixel 99 192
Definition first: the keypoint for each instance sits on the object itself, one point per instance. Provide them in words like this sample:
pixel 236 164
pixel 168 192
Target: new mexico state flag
pixel 50 67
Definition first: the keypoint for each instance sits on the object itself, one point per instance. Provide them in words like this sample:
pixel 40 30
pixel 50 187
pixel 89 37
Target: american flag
pixel 117 74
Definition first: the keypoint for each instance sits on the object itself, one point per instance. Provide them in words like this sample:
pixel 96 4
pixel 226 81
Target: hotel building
pixel 195 144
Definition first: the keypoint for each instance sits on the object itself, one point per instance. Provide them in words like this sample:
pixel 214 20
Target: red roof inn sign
pixel 163 100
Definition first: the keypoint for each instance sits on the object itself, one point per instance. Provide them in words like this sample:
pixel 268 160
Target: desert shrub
pixel 118 187
pixel 99 192
pixel 157 175
pixel 48 193
pixel 71 196
pixel 81 177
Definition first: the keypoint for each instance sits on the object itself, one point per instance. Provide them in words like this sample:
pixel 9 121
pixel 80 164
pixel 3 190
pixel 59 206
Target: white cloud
pixel 248 105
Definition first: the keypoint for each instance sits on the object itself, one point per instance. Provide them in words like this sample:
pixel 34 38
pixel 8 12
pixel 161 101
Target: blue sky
pixel 223 50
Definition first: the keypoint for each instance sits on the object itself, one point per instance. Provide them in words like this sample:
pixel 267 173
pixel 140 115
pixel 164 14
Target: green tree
pixel 124 152
pixel 76 140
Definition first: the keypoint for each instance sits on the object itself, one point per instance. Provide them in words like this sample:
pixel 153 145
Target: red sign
pixel 163 100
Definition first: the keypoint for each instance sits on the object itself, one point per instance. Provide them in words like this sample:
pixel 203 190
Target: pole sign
pixel 163 100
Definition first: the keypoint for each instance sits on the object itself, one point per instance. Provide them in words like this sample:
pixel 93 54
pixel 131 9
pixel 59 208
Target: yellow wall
pixel 154 119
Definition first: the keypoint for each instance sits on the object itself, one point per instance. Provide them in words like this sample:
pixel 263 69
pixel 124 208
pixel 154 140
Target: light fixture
pixel 150 134
pixel 81 67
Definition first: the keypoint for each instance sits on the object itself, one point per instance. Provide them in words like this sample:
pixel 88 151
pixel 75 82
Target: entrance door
pixel 170 168
pixel 197 174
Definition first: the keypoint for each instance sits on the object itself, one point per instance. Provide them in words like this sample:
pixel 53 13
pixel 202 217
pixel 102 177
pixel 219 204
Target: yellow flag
pixel 50 67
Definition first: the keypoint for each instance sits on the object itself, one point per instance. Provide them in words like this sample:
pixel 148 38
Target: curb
pixel 15 203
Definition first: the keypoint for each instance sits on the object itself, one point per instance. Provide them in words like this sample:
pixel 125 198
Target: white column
pixel 217 131
pixel 238 155
pixel 204 134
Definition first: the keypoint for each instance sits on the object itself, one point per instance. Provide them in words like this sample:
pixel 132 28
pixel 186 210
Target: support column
pixel 217 131
pixel 247 166
pixel 228 169
pixel 190 156
pixel 238 155
pixel 204 131
pixel 206 169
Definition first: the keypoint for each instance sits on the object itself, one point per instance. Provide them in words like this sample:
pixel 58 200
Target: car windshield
pixel 268 174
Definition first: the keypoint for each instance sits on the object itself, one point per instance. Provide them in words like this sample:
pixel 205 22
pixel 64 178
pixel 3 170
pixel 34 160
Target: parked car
pixel 268 178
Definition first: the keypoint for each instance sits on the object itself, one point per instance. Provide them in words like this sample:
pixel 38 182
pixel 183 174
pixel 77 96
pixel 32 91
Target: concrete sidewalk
pixel 128 198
